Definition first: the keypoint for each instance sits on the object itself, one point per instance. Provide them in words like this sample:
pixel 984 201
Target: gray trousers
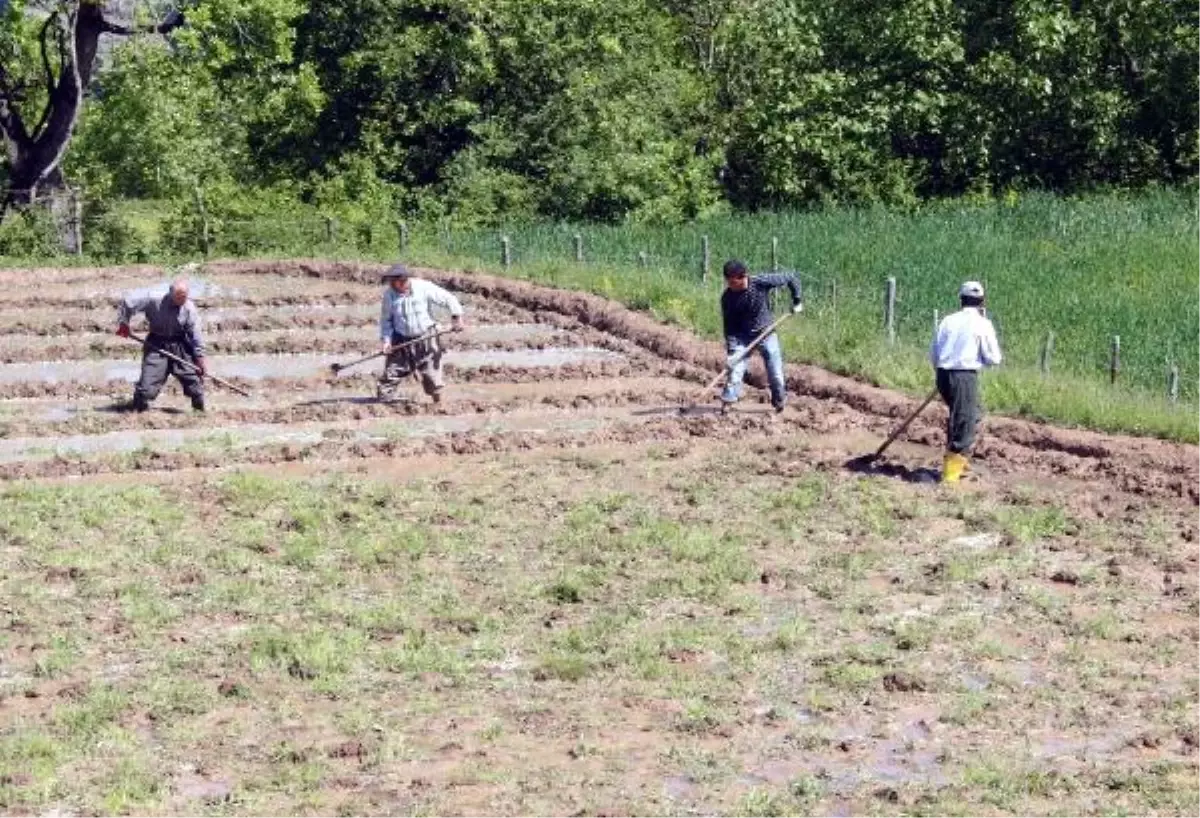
pixel 959 388
pixel 425 359
pixel 156 367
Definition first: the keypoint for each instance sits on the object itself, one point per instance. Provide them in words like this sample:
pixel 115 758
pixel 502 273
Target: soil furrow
pixel 49 420
pixel 1146 466
pixel 285 342
pixel 365 380
pixel 453 442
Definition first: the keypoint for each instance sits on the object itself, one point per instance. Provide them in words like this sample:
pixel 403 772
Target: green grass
pixel 1085 269
pixel 511 637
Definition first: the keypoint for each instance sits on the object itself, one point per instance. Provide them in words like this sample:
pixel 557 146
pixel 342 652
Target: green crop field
pixel 1085 269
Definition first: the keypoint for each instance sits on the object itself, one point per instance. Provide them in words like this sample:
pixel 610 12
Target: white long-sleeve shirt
pixel 409 315
pixel 965 340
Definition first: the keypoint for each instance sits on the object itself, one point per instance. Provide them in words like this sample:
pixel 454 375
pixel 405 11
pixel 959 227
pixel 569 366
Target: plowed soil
pixel 573 426
pixel 280 292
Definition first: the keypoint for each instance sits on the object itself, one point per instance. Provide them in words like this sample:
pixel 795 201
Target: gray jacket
pixel 167 322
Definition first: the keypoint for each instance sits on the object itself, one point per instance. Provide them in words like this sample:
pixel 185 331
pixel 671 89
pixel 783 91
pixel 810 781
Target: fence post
pixel 1173 384
pixel 204 239
pixel 1114 365
pixel 505 252
pixel 402 230
pixel 889 310
pixel 643 259
pixel 329 229
pixel 77 221
pixel 833 301
pixel 578 248
pixel 1047 353
pixel 705 258
pixel 937 321
pixel 774 254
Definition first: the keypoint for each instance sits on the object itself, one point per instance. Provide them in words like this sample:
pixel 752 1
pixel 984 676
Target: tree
pixel 66 41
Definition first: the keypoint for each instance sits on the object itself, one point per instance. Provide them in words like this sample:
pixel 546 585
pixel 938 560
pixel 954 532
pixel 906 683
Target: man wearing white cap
pixel 965 342
pixel 407 331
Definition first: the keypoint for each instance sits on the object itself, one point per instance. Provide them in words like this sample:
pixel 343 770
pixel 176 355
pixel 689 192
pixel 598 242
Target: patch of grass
pixel 669 632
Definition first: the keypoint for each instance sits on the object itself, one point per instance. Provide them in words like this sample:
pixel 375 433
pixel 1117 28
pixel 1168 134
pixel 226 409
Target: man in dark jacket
pixel 746 312
pixel 174 326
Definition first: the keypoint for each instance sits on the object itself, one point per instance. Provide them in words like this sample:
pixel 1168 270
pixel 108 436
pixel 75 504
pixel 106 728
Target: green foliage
pixel 157 132
pixel 28 232
pixel 635 111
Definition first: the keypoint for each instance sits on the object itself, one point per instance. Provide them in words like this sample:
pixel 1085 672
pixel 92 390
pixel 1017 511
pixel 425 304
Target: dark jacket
pixel 167 322
pixel 747 313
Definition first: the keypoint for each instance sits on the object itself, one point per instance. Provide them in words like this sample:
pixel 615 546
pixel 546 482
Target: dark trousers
pixel 424 359
pixel 156 367
pixel 959 388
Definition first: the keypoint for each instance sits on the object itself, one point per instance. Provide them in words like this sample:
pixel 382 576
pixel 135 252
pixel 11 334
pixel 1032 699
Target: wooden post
pixel 774 254
pixel 705 258
pixel 1114 365
pixel 643 259
pixel 329 229
pixel 205 244
pixel 833 302
pixel 505 252
pixel 1047 353
pixel 77 221
pixel 402 231
pixel 937 321
pixel 1173 384
pixel 578 248
pixel 889 310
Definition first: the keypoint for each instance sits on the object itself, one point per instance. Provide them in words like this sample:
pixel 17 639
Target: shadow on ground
pixel 121 407
pixel 867 464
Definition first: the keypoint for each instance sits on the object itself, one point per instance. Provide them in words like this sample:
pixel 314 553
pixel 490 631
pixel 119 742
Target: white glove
pixel 797 308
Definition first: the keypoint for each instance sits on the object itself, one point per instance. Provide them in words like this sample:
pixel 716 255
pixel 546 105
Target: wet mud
pixel 635 342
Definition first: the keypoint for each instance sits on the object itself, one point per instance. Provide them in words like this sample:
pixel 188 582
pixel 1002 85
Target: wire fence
pixel 900 310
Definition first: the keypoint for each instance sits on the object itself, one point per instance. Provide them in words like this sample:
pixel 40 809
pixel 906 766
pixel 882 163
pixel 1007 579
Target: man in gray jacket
pixel 174 327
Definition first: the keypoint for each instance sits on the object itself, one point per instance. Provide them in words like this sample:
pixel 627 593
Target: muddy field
pixel 556 592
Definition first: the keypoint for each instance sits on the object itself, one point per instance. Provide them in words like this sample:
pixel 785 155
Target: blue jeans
pixel 773 358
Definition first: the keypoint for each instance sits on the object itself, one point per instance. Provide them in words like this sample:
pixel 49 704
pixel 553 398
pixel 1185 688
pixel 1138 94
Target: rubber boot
pixel 436 396
pixel 198 404
pixel 139 404
pixel 952 467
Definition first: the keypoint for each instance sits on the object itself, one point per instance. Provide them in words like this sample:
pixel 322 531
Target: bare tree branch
pixel 11 122
pixel 172 21
pixel 51 20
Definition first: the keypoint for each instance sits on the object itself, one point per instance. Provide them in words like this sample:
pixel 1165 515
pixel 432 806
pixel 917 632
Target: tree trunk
pixel 70 37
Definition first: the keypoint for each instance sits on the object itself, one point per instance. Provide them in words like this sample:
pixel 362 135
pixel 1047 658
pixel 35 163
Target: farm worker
pixel 965 342
pixel 406 316
pixel 174 326
pixel 746 313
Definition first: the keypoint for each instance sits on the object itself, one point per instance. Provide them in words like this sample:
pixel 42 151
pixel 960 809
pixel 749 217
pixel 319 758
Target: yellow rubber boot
pixel 952 467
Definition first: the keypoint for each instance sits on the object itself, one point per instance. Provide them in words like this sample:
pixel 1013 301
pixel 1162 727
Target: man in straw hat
pixel 407 317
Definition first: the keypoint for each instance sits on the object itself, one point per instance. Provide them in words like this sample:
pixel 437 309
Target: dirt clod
pixel 902 682
pixel 231 689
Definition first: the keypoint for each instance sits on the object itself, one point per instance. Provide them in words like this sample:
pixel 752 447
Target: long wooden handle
pixel 144 342
pixel 750 348
pixel 339 367
pixel 900 429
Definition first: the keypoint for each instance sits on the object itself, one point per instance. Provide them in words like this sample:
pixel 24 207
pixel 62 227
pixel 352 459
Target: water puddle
pixel 243 437
pixel 257 367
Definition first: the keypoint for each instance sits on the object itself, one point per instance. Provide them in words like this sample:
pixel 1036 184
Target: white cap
pixel 971 289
